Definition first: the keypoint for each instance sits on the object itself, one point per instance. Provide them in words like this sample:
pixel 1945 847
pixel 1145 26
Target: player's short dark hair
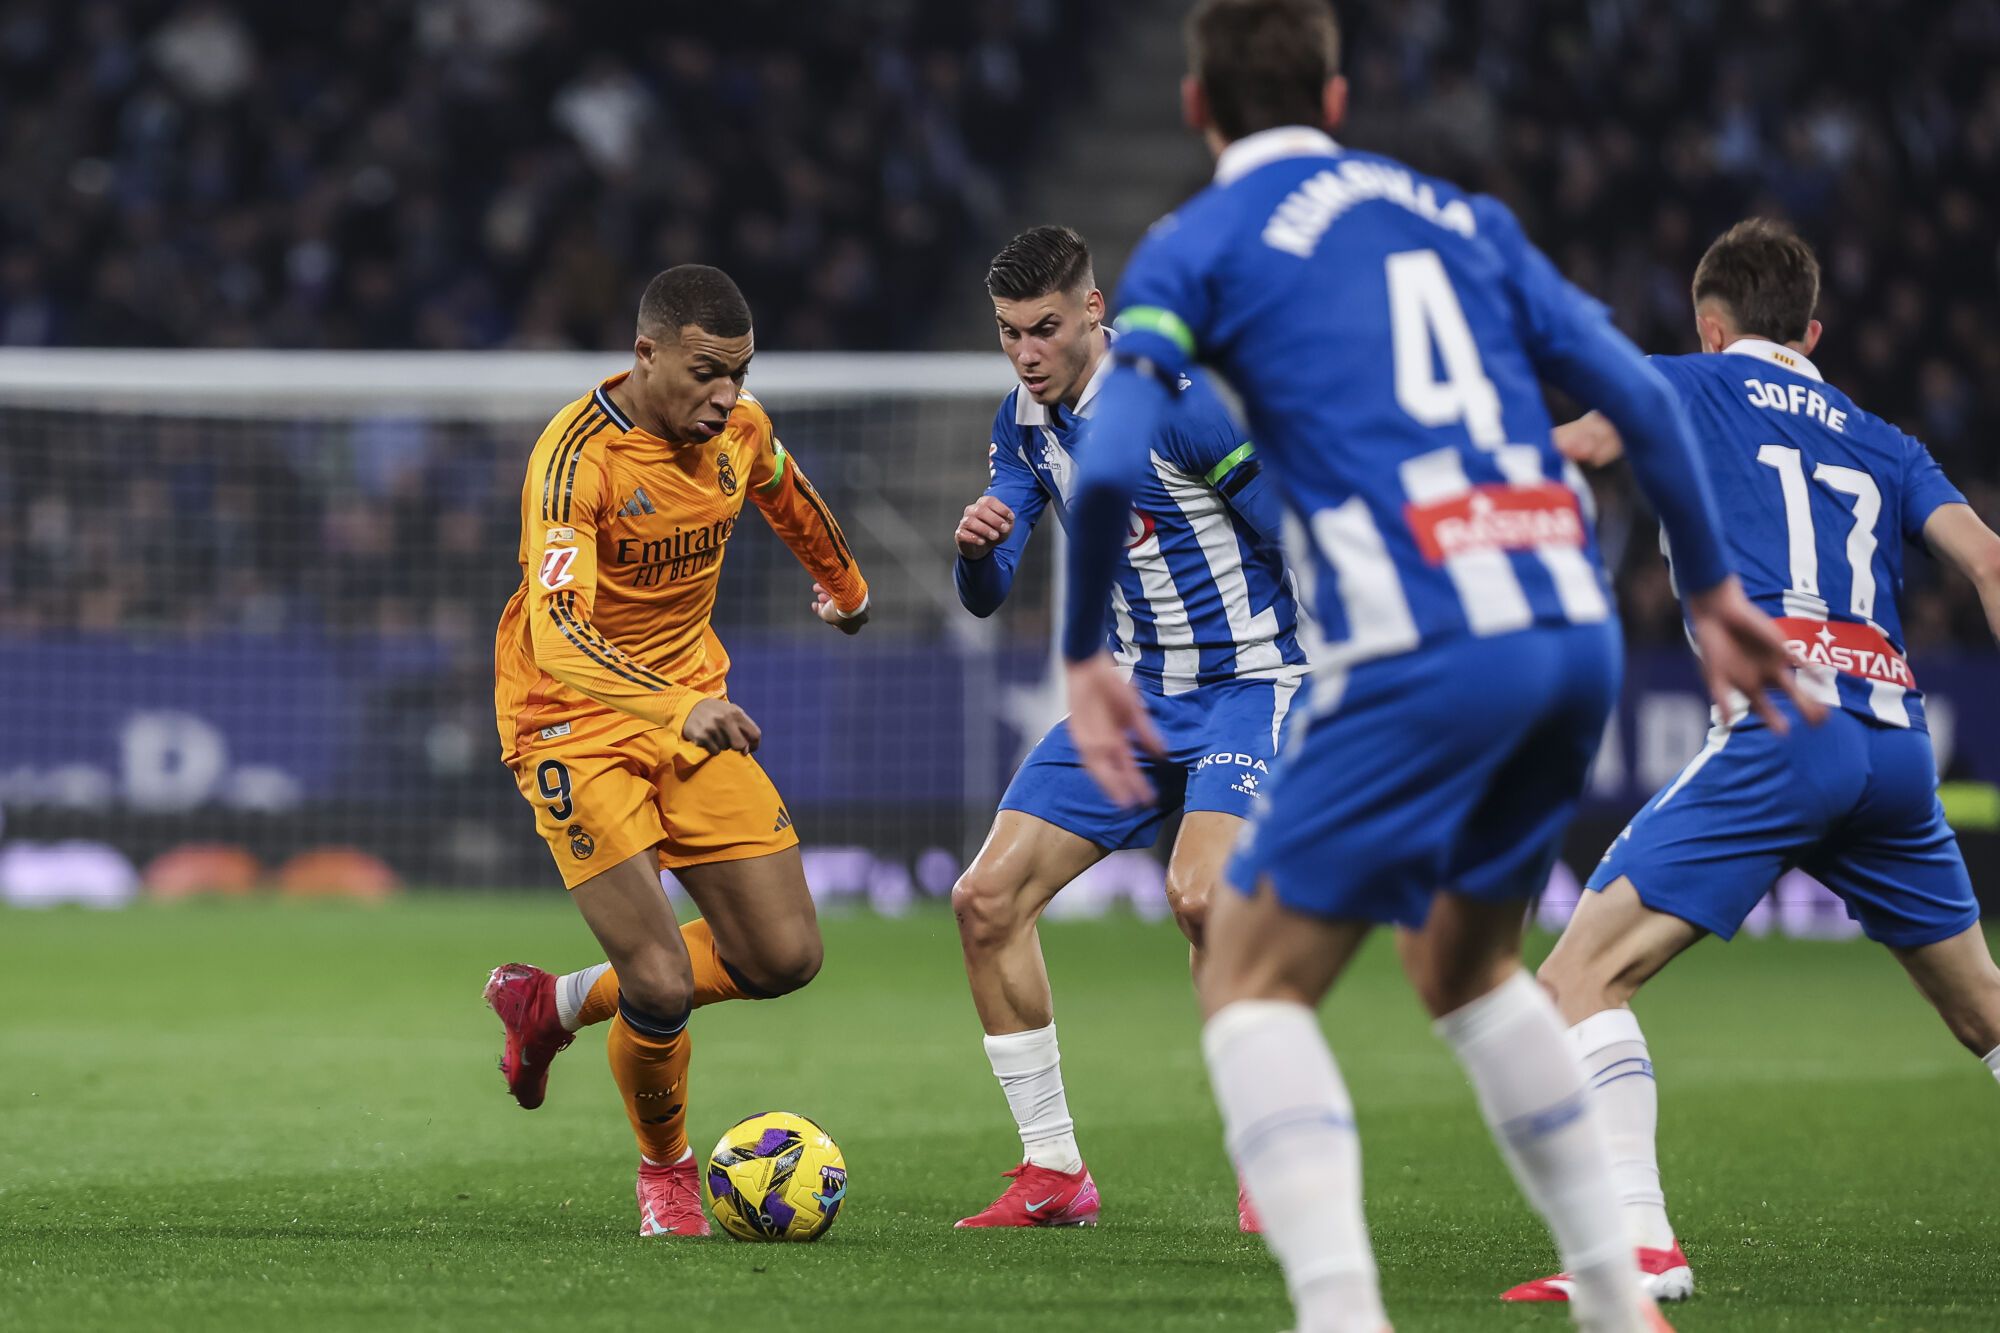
pixel 1263 63
pixel 693 294
pixel 1766 274
pixel 1039 261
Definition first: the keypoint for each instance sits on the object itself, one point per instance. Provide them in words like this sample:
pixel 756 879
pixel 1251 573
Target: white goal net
pixel 248 600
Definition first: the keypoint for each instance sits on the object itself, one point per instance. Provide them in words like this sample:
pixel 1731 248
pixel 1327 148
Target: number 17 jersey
pixel 1816 498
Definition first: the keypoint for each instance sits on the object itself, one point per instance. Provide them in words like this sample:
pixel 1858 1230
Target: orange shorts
pixel 597 804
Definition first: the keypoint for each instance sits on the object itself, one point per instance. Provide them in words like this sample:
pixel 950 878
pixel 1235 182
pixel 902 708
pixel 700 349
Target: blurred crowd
pixel 498 173
pixel 393 527
pixel 383 528
pixel 1628 134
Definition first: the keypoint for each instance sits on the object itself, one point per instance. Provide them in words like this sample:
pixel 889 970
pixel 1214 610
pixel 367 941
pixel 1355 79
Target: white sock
pixel 1289 1124
pixel 572 989
pixel 1619 1071
pixel 1992 1059
pixel 1029 1068
pixel 1512 1045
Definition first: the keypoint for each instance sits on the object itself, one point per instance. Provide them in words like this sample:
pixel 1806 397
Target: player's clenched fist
pixel 717 725
pixel 847 622
pixel 986 524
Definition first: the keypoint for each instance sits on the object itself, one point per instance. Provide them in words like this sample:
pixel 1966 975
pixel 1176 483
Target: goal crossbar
pixel 462 385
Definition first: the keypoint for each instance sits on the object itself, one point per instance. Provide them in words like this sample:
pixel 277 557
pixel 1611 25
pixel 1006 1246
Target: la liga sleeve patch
pixel 556 563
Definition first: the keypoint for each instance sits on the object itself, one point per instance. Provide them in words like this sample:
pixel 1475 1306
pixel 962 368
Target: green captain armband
pixel 1228 465
pixel 1158 319
pixel 778 470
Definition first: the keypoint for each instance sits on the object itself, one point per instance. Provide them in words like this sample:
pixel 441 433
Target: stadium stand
pixel 497 173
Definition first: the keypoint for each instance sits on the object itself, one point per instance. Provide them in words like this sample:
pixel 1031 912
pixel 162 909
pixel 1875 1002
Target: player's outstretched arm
pixel 795 511
pixel 1575 347
pixel 1958 536
pixel 1598 366
pixel 1130 409
pixel 1106 716
pixel 1743 656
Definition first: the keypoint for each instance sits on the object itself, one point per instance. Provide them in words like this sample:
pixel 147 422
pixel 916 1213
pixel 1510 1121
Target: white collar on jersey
pixel 1264 147
pixel 1028 412
pixel 1778 355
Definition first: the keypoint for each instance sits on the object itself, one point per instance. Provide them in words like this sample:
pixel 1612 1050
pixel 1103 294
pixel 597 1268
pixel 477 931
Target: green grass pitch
pixel 287 1118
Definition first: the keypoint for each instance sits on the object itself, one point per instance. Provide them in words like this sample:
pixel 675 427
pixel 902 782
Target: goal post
pixel 249 598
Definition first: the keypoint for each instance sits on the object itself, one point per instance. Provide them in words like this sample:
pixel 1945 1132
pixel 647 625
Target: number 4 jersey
pixel 1389 335
pixel 1816 499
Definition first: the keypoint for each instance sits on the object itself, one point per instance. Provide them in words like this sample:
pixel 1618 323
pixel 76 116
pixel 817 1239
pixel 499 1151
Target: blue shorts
pixel 1221 739
pixel 1851 802
pixel 1457 766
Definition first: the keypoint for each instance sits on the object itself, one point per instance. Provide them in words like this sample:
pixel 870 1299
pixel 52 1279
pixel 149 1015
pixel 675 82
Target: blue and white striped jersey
pixel 1388 335
pixel 1200 595
pixel 1817 498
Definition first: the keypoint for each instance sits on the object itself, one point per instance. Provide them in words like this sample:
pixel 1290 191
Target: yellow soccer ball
pixel 776 1176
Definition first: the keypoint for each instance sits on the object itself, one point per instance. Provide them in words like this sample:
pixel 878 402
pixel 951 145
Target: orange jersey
pixel 622 538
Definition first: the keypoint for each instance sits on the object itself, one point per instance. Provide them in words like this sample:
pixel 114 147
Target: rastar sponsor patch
pixel 559 535
pixel 1851 649
pixel 556 562
pixel 1496 518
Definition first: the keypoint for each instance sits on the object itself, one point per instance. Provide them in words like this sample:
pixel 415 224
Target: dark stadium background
pixel 502 175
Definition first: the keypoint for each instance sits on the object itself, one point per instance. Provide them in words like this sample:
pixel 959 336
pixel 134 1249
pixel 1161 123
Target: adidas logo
pixel 640 504
pixel 784 820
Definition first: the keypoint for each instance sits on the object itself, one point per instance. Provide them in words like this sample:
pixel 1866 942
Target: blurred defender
pixel 1388 334
pixel 611 691
pixel 1203 625
pixel 1818 498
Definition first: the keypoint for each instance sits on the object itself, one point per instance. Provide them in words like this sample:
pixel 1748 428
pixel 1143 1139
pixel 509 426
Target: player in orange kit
pixel 610 688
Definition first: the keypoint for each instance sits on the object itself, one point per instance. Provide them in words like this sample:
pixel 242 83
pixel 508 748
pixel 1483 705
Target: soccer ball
pixel 776 1176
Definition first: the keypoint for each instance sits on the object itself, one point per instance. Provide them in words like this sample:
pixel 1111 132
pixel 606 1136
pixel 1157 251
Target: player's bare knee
pixel 990 909
pixel 1561 978
pixel 1974 1017
pixel 1582 984
pixel 1193 920
pixel 1974 1031
pixel 1191 913
pixel 1433 992
pixel 656 984
pixel 790 967
pixel 1447 988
